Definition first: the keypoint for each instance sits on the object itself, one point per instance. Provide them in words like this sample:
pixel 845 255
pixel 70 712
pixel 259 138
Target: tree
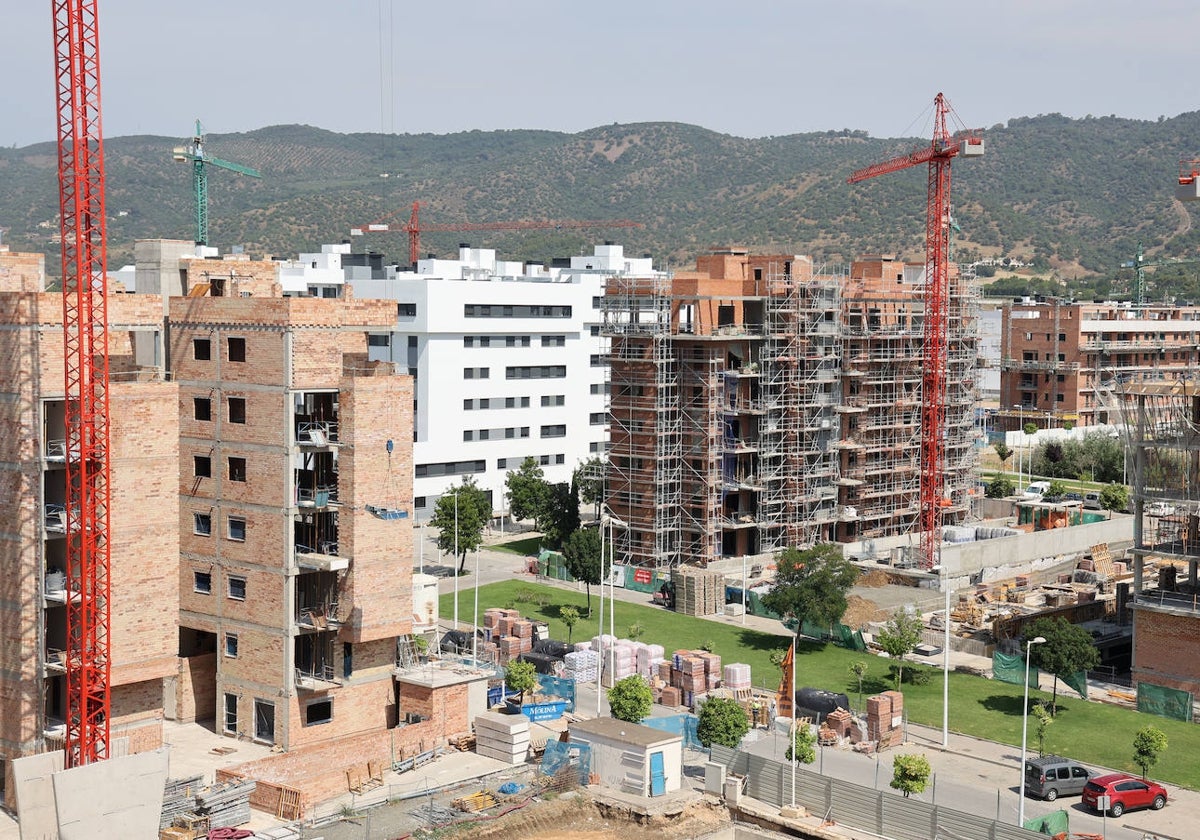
pixel 1056 490
pixel 630 699
pixel 1003 452
pixel 858 670
pixel 520 676
pixel 1114 497
pixel 721 721
pixel 527 490
pixel 1148 744
pixel 898 637
pixel 803 746
pixel 1000 487
pixel 460 516
pixel 910 773
pixel 582 553
pixel 559 515
pixel 1068 649
pixel 1044 719
pixel 811 584
pixel 589 476
pixel 569 616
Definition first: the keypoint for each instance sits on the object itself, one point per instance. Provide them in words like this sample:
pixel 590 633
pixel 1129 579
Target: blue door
pixel 658 781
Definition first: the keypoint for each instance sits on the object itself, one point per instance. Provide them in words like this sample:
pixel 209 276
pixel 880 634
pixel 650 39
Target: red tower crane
pixel 936 324
pixel 413 228
pixel 85 336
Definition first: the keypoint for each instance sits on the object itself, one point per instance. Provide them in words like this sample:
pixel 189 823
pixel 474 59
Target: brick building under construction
pixel 759 402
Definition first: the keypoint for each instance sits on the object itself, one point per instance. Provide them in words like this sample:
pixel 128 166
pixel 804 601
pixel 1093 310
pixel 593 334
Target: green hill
pixel 1076 195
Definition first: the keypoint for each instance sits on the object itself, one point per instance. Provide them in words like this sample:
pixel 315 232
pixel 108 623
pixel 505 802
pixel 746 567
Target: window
pixel 599 360
pixel 237 349
pixel 201 349
pixel 236 528
pixel 594 329
pixel 319 711
pixel 551 400
pixel 202 408
pixel 202 466
pixel 599 388
pixel 231 717
pixel 420 502
pixel 379 340
pixel 554 431
pixel 202 582
pixel 468 436
pixel 487 310
pixel 202 524
pixel 231 645
pixel 1062 336
pixel 1059 397
pixel 598 418
pixel 264 721
pixel 476 373
pixel 449 468
pixel 597 446
pixel 554 341
pixel 237 588
pixel 468 341
pixel 536 372
pixel 237 469
pixel 406 310
pixel 237 410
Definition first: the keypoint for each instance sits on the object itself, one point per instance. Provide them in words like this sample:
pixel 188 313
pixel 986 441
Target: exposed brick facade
pixel 1164 649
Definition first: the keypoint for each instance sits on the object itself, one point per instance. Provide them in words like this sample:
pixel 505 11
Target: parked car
pixel 1124 792
pixel 1159 509
pixel 1073 497
pixel 1052 776
pixel 1036 489
pixel 1091 501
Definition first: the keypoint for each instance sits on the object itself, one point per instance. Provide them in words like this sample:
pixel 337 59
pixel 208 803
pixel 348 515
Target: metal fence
pixel 858 806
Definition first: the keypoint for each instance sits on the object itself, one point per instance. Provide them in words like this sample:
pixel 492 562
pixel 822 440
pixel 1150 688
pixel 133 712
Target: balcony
pixel 1181 603
pixel 55 520
pixel 317 678
pixel 323 557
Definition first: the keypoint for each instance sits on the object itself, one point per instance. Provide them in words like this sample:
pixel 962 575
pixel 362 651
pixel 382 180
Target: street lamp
pixel 1020 428
pixel 1025 726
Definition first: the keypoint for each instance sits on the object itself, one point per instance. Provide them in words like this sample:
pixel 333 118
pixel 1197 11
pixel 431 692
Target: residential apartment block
pixel 295 489
pixel 508 360
pixel 759 402
pixel 143 538
pixel 1055 353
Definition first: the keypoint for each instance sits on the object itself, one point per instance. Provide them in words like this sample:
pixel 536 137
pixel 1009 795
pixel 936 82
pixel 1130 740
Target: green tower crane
pixel 194 152
pixel 1139 266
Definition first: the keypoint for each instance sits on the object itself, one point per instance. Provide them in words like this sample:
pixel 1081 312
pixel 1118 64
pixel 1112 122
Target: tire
pixel 1051 794
pixel 1116 810
pixel 1159 802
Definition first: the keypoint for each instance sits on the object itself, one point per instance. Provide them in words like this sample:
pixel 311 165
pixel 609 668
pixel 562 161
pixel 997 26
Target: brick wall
pixel 1164 649
pixel 22 272
pixel 196 688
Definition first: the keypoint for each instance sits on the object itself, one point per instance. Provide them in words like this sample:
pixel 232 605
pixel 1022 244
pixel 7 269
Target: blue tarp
pixel 684 725
pixel 562 758
pixel 558 687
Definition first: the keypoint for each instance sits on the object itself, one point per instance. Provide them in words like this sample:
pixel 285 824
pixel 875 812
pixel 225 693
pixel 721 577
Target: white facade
pixel 508 361
pixel 315 275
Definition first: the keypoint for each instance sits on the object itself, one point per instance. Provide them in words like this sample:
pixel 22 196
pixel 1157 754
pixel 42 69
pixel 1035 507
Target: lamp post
pixel 1025 726
pixel 455 563
pixel 1021 429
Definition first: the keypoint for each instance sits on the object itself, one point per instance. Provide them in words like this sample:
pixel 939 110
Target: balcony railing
pixel 1173 601
pixel 317 497
pixel 55 519
pixel 323 617
pixel 317 678
pixel 317 433
pixel 56 661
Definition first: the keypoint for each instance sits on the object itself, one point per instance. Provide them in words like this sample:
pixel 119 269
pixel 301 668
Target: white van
pixel 1036 490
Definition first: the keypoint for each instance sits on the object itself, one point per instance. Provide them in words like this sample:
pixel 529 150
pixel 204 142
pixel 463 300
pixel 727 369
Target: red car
pixel 1124 792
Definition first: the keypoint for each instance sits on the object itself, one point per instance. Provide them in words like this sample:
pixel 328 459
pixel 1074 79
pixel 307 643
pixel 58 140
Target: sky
pixel 751 68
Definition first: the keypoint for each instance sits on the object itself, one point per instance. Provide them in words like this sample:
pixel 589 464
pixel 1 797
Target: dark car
pixel 1124 792
pixel 1052 776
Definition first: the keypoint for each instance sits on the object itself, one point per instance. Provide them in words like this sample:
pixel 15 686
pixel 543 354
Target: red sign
pixel 641 576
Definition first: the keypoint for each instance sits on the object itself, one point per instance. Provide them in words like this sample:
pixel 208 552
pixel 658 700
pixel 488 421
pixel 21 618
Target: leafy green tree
pixel 527 490
pixel 589 476
pixel 803 746
pixel 811 584
pixel 1114 497
pixel 569 616
pixel 1003 452
pixel 910 773
pixel 1068 649
pixel 630 699
pixel 898 637
pixel 582 553
pixel 1148 744
pixel 1000 487
pixel 520 676
pixel 460 516
pixel 858 669
pixel 559 516
pixel 1057 489
pixel 1043 717
pixel 721 721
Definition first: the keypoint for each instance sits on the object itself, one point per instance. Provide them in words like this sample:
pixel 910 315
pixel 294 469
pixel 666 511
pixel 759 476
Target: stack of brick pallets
pixel 698 591
pixel 885 715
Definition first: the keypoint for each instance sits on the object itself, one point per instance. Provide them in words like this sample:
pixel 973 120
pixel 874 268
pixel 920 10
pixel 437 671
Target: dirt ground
pixel 580 818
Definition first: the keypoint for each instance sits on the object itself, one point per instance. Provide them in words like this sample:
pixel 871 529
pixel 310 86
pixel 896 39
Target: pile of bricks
pixel 508 632
pixel 692 673
pixel 885 717
pixel 698 591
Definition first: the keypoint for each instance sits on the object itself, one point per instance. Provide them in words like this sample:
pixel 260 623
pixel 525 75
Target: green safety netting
pixel 1053 824
pixel 1010 668
pixel 1164 702
pixel 1077 681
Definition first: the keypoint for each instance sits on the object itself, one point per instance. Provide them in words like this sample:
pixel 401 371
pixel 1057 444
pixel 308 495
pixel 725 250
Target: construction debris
pixel 191 809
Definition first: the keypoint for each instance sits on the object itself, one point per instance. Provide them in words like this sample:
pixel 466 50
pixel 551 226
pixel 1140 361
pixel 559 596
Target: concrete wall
pixel 121 797
pixel 616 763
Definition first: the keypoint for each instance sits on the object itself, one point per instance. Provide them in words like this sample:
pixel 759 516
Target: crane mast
pixel 936 350
pixel 85 339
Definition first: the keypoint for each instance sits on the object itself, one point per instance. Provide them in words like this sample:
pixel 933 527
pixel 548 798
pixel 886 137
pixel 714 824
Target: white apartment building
pixel 508 361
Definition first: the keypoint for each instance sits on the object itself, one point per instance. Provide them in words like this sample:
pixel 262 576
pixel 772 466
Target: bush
pixel 721 721
pixel 920 676
pixel 630 699
pixel 525 594
pixel 1000 487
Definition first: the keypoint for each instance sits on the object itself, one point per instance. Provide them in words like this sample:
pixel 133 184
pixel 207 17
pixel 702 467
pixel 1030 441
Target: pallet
pixel 479 801
pixel 289 804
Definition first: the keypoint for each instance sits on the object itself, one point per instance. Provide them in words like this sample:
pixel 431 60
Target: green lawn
pixel 527 547
pixel 1091 732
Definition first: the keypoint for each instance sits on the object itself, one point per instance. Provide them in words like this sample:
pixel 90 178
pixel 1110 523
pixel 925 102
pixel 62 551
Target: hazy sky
pixel 750 68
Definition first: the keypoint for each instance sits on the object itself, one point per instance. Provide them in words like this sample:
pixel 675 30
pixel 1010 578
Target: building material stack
pixel 649 657
pixel 502 737
pixel 698 592
pixel 885 718
pixel 737 679
pixel 191 809
pixel 581 665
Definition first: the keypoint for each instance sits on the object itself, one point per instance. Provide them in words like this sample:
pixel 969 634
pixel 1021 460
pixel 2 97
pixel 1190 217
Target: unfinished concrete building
pixel 1162 431
pixel 758 403
pixel 144 543
pixel 295 488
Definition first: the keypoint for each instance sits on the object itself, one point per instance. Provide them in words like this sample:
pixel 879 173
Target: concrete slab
pixel 117 798
pixel 35 793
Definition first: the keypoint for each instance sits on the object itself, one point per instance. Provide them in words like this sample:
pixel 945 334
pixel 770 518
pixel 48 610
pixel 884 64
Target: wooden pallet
pixel 289 804
pixel 479 801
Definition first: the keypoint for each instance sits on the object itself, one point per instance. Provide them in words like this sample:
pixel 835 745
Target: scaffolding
pixel 644 470
pixel 962 394
pixel 801 362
